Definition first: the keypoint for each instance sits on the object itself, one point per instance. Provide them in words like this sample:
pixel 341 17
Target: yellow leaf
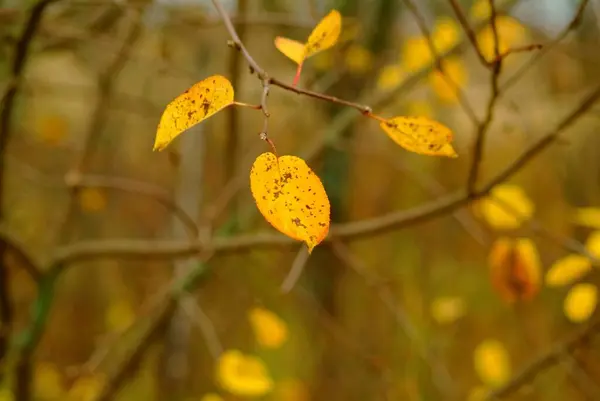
pixel 588 217
pixel 593 244
pixel 515 268
pixel 358 59
pixel 119 316
pixel 510 33
pixel 446 85
pixel 567 270
pixel 390 77
pixel 325 34
pixel 269 329
pixel 243 375
pixel 292 49
pixel 211 397
pixel 291 390
pixel 291 197
pixel 86 388
pixel 481 9
pixel 92 199
pixel 446 34
pixel 416 54
pixel 420 135
pixel 492 363
pixel 48 383
pixel 6 395
pixel 511 209
pixel 199 102
pixel 580 302
pixel 446 310
pixel 52 129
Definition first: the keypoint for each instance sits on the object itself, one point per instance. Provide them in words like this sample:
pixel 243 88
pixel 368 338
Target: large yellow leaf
pixel 587 216
pixel 291 197
pixel 293 49
pixel 515 268
pixel 325 34
pixel 420 135
pixel 270 331
pixel 567 270
pixel 506 208
pixel 492 363
pixel 243 375
pixel 580 302
pixel 199 102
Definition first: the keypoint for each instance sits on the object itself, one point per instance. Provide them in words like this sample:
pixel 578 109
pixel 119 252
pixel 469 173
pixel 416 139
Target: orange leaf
pixel 199 102
pixel 420 135
pixel 291 197
pixel 515 268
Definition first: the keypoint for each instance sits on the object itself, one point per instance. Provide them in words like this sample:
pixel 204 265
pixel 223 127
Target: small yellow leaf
pixel 446 84
pixel 592 244
pixel 199 102
pixel 52 129
pixel 492 363
pixel 358 59
pixel 420 135
pixel 292 49
pixel 92 199
pixel 446 34
pixel 506 208
pixel 269 329
pixel 390 76
pixel 510 33
pixel 48 382
pixel 567 270
pixel 588 217
pixel 580 302
pixel 243 375
pixel 416 54
pixel 481 9
pixel 291 197
pixel 325 34
pixel 515 268
pixel 211 397
pixel 119 316
pixel 86 388
pixel 446 310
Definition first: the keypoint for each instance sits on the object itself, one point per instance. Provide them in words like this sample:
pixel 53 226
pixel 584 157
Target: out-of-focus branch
pixel 7 104
pixel 545 361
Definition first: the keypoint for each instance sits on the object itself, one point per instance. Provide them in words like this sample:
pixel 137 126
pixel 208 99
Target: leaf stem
pixel 251 106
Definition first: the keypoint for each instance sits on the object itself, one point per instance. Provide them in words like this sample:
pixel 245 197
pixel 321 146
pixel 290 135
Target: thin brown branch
pixel 464 22
pixel 545 361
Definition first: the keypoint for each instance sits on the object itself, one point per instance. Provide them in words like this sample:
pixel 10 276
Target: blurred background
pixel 446 307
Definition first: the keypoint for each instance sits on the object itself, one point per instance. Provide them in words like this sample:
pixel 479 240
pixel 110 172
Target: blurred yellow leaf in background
pixel 445 310
pixel 481 9
pixel 47 382
pixel 86 388
pixel 196 104
pixel 492 363
pixel 588 217
pixel 592 244
pixel 515 268
pixel 446 85
pixel 243 375
pixel 119 315
pixel 580 302
pixel 270 331
pixel 211 397
pixel 52 129
pixel 510 33
pixel 291 197
pixel 291 390
pixel 92 199
pixel 420 135
pixel 507 207
pixel 390 77
pixel 358 59
pixel 567 270
pixel 416 54
pixel 478 393
pixel 446 34
pixel 6 394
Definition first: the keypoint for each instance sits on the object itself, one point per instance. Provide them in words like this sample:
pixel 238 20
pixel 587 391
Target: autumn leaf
pixel 52 129
pixel 567 270
pixel 592 244
pixel 292 49
pixel 491 362
pixel 325 34
pixel 587 217
pixel 445 310
pixel 243 375
pixel 390 77
pixel 291 197
pixel 420 135
pixel 47 381
pixel 510 33
pixel 86 388
pixel 196 104
pixel 446 34
pixel 270 331
pixel 92 200
pixel 358 59
pixel 291 390
pixel 515 268
pixel 507 207
pixel 446 84
pixel 580 302
pixel 119 315
pixel 211 397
